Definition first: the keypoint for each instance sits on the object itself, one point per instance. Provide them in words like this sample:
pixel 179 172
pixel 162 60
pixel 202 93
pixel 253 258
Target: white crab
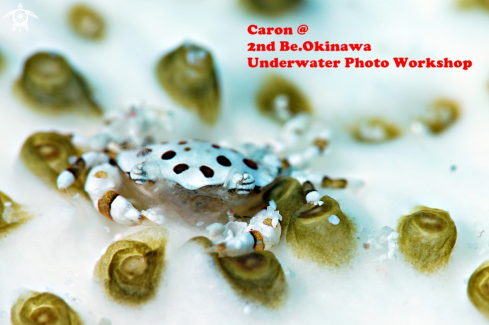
pixel 190 179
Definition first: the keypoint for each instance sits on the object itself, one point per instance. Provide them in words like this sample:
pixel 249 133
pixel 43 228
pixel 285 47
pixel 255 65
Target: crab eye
pixel 168 155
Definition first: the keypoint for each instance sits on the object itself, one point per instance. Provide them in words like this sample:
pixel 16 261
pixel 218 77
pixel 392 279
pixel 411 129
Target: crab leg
pixel 100 185
pixel 86 161
pixel 261 233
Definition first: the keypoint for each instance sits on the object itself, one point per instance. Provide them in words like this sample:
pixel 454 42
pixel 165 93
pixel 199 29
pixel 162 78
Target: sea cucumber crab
pixel 135 179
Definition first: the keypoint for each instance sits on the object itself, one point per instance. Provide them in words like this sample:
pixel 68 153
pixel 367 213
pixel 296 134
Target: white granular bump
pixel 273 204
pixel 199 224
pixel 215 229
pixel 313 196
pixel 76 300
pixel 381 272
pixel 247 310
pixel 334 219
pixel 105 321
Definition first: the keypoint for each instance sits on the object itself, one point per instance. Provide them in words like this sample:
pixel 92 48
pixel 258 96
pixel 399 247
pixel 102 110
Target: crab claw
pixel 242 244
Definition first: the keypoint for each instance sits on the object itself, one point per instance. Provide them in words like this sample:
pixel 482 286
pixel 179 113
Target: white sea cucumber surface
pixel 57 250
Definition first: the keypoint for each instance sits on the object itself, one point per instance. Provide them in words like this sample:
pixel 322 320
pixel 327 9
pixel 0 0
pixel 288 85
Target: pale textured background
pixel 64 242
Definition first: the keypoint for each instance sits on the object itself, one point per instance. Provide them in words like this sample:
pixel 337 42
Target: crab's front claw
pixel 242 244
pixel 241 183
pixel 236 238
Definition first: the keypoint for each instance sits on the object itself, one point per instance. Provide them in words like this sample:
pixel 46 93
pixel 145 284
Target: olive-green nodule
pixel 270 7
pixel 281 99
pixel 478 288
pixel 442 114
pixel 11 214
pixel 130 269
pixel 426 238
pixel 308 187
pixel 36 308
pixel 289 196
pixel 204 243
pixel 188 75
pixel 46 155
pixel 257 277
pixel 468 4
pixel 323 234
pixel 337 183
pixel 86 22
pixel 375 130
pixel 287 193
pixel 49 84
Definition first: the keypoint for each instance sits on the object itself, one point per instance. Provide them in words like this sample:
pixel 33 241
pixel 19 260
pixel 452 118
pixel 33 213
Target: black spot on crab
pixel 180 168
pixel 250 163
pixel 208 172
pixel 223 161
pixel 168 155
